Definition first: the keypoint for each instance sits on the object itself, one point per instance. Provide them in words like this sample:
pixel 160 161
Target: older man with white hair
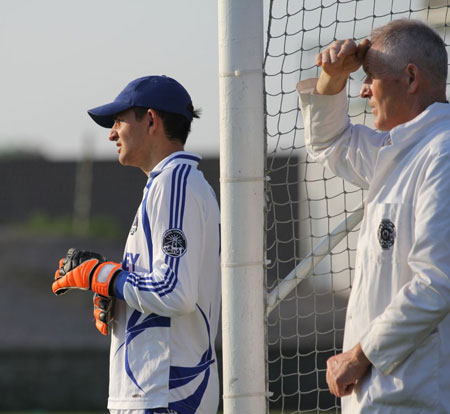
pixel 396 355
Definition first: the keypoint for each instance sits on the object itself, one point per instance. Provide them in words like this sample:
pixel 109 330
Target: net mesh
pixel 304 201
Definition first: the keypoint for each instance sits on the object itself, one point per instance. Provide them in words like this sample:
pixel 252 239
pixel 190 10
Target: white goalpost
pixel 242 175
pixel 289 227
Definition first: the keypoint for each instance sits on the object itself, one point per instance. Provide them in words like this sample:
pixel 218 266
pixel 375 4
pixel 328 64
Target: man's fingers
pixel 337 53
pixel 345 370
pixel 342 390
pixel 346 48
pixel 333 55
pixel 331 364
pixel 347 390
pixel 342 56
pixel 335 50
pixel 319 59
pixel 362 49
pixel 325 57
pixel 336 384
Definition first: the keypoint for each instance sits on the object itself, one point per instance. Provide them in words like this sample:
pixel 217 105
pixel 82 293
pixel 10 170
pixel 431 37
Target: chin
pixel 385 126
pixel 381 126
pixel 127 162
pixel 123 160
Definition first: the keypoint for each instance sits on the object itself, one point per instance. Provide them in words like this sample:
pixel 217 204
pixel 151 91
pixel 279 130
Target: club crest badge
pixel 386 234
pixel 174 243
pixel 134 227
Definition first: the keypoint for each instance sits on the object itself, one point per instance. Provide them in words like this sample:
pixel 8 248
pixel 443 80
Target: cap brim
pixel 104 115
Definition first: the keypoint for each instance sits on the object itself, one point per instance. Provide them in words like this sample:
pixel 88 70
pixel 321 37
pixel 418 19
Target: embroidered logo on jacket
pixel 174 243
pixel 134 227
pixel 386 234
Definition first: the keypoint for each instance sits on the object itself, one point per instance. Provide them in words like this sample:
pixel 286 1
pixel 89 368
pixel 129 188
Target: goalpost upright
pixel 242 146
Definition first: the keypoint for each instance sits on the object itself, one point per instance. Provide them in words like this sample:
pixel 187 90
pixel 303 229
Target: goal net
pixel 312 217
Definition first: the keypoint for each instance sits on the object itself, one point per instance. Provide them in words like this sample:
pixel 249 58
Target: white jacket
pixel 165 325
pixel 400 300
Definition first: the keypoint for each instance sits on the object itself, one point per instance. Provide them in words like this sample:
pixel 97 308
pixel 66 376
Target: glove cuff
pixel 104 274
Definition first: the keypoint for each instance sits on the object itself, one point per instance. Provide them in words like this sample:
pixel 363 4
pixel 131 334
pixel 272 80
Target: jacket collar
pixel 179 157
pixel 413 131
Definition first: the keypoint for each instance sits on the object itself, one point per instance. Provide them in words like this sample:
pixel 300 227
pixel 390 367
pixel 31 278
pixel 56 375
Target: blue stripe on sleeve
pixel 177 208
pixel 147 228
pixel 172 191
pixel 183 198
pixel 178 197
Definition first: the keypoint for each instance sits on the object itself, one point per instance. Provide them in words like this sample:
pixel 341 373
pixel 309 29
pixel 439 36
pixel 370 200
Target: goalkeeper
pixel 166 291
pixel 396 355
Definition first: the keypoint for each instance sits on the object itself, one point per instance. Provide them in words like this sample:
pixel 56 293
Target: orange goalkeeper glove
pixel 78 272
pixel 103 313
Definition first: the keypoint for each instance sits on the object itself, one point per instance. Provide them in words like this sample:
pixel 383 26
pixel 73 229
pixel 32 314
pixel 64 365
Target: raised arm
pixel 340 59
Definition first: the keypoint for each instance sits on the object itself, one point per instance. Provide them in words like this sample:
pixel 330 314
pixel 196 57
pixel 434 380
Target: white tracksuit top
pixel 400 300
pixel 162 347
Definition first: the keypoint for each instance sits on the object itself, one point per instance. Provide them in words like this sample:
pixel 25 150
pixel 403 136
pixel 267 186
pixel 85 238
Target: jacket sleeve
pixel 349 151
pixel 422 304
pixel 176 218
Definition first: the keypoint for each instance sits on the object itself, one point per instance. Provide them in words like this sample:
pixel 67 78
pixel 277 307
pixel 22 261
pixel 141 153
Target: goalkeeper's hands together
pixel 82 269
pixel 85 270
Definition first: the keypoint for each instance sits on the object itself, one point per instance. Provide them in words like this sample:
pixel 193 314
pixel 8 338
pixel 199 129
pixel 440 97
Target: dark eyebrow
pixel 118 115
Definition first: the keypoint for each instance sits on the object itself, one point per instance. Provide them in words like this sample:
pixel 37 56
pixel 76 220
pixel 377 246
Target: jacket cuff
pixel 324 116
pixel 372 345
pixel 119 284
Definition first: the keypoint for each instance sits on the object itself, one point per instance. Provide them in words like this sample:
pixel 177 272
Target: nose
pixel 113 135
pixel 366 91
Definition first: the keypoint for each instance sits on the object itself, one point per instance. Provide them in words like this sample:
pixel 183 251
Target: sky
pixel 60 58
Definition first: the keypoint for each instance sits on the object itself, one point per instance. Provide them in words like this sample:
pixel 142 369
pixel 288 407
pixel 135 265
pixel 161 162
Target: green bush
pixel 104 227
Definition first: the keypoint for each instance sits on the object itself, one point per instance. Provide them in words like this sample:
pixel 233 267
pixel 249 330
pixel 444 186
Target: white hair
pixel 407 41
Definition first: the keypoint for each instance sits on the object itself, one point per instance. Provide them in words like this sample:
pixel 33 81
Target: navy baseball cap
pixel 155 92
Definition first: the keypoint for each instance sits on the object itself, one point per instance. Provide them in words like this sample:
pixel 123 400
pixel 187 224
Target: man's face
pixel 386 91
pixel 131 138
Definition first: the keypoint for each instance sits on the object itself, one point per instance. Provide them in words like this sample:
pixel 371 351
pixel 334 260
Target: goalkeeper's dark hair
pixel 176 126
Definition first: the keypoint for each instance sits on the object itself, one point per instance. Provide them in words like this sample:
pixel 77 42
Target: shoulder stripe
pixel 183 197
pixel 147 228
pixel 181 156
pixel 177 207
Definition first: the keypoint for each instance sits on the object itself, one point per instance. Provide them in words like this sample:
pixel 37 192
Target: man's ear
pixel 413 76
pixel 151 117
